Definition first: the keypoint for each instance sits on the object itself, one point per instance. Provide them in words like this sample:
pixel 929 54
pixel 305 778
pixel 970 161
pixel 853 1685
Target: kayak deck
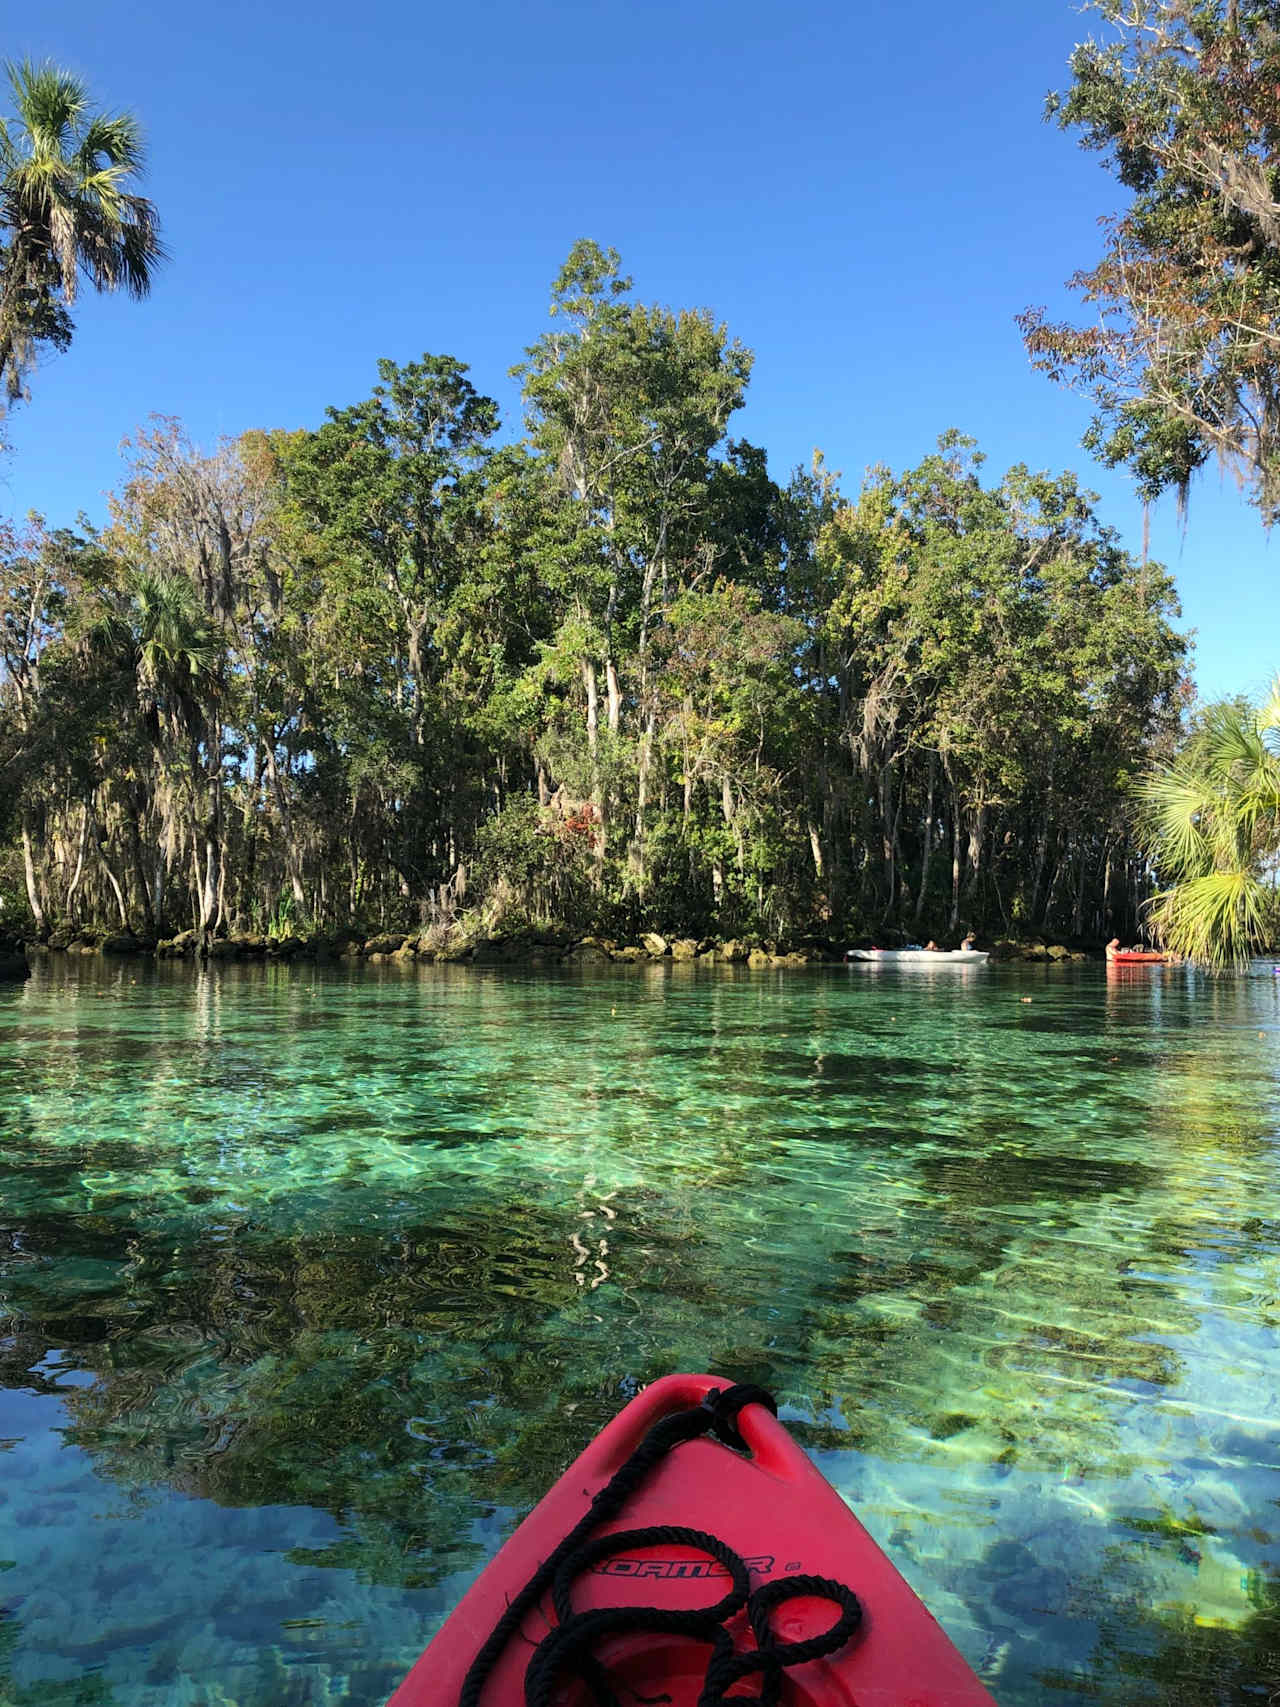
pixel 773 1508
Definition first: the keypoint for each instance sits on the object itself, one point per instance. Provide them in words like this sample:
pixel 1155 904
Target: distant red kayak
pixel 1131 957
pixel 603 1629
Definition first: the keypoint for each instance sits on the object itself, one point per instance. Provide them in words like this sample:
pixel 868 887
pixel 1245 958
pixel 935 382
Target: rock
pixel 408 949
pixel 61 938
pixel 224 948
pixel 1058 952
pixel 685 949
pixel 177 947
pixel 654 945
pixel 758 957
pixel 630 953
pixel 589 952
pixel 732 951
pixel 121 942
pixel 494 951
pixel 351 950
pixel 284 947
pixel 384 944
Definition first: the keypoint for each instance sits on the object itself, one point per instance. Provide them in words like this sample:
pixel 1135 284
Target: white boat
pixel 920 956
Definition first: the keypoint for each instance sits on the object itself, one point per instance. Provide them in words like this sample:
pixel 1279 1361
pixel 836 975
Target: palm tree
pixel 1211 824
pixel 66 209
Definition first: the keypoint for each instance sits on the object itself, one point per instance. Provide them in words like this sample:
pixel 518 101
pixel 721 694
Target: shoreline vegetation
pixel 400 673
pixel 536 947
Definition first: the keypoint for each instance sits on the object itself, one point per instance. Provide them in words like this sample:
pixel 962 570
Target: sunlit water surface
pixel 311 1282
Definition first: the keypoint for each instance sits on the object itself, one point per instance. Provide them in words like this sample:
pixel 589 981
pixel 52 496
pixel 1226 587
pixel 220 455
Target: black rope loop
pixel 772 1657
pixel 724 1403
pixel 569 1645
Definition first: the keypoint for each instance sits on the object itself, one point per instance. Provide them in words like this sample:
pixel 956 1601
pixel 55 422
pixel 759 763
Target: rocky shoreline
pixel 456 947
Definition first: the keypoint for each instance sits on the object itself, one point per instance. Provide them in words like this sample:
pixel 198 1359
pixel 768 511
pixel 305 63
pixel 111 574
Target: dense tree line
pixel 400 667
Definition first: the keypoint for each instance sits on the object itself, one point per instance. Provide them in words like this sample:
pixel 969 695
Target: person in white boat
pixel 969 943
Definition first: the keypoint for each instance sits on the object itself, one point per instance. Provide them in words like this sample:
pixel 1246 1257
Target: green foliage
pixel 614 675
pixel 1210 821
pixel 1180 354
pixel 66 208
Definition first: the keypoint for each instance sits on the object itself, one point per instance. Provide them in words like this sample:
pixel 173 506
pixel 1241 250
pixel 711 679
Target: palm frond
pixel 1176 806
pixel 66 208
pixel 1217 920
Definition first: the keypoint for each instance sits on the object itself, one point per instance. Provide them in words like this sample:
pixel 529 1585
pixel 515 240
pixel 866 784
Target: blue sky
pixel 866 194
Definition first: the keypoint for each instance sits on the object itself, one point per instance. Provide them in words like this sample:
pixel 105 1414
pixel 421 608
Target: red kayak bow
pixel 691 1551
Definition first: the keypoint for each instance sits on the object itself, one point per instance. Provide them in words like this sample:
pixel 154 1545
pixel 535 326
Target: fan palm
pixel 1211 824
pixel 66 209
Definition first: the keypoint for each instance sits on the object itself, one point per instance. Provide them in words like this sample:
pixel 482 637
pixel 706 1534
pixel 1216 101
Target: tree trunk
pixel 926 850
pixel 642 800
pixel 593 709
pixel 888 871
pixel 121 905
pixel 68 905
pixel 815 848
pixel 34 900
pixel 292 860
pixel 977 840
pixel 593 747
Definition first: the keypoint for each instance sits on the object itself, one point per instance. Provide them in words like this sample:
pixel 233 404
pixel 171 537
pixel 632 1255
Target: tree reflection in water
pixel 327 1337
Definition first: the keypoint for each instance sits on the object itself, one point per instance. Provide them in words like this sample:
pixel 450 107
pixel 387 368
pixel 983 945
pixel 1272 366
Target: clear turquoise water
pixel 311 1282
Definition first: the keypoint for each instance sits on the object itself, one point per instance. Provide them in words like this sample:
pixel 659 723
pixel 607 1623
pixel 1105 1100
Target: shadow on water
pixel 310 1285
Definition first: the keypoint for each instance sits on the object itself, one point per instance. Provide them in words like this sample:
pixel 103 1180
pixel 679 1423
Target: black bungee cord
pixel 569 1646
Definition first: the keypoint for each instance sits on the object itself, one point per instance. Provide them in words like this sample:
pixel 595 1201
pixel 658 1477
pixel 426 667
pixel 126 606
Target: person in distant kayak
pixel 1113 948
pixel 931 947
pixel 967 946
